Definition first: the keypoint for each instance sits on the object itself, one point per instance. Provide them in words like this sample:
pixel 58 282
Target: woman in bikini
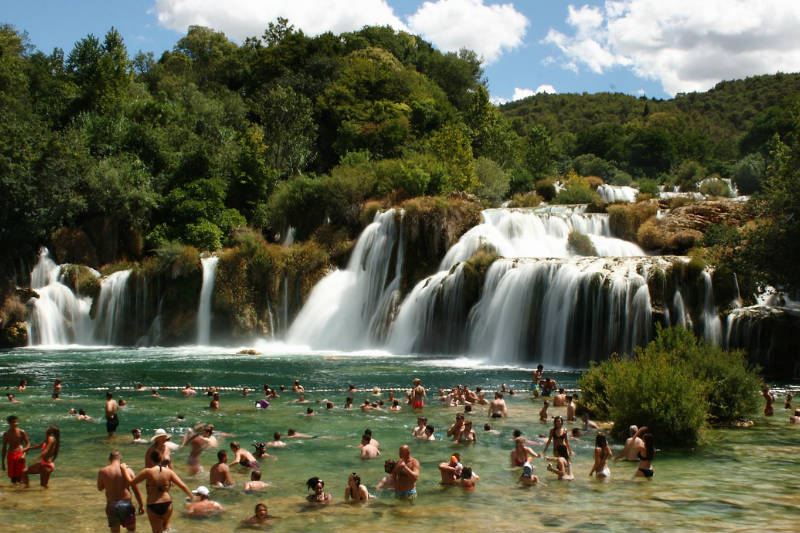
pixel 559 436
pixel 646 454
pixel 158 480
pixel 602 453
pixel 320 497
pixel 468 434
pixel 355 491
pixel 45 465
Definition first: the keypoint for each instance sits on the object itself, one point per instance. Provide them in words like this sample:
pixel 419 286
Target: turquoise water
pixel 745 479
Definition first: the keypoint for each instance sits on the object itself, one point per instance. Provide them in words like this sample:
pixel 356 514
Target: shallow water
pixel 746 479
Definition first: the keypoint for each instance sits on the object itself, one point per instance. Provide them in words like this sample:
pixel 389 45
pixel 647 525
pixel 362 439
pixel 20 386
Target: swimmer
pixel 214 402
pixel 487 428
pixel 406 473
pixel 15 440
pixel 155 394
pixel 588 425
pixel 12 399
pixel 329 406
pixel 468 478
pixel 255 484
pixel 419 429
pixel 498 408
pixel 602 453
pixel 188 390
pixel 351 388
pixel 44 465
pixel 122 403
pixel 632 445
pixel 537 376
pixel 82 416
pixel 558 435
pixel 367 406
pixel 543 412
pixel 244 457
pixel 292 434
pixel 309 412
pixel 521 452
pixel 158 480
pixel 203 506
pixel 301 399
pixel 787 403
pixel 320 497
pixel 563 468
pixel 111 408
pixel 220 474
pixel 388 481
pixel 276 441
pixel 418 395
pixel 769 398
pixel 376 391
pixel 348 403
pixel 528 477
pixel 355 491
pixel 570 408
pixel 646 453
pixel 468 435
pixel 796 418
pixel 428 435
pixel 456 429
pixel 115 479
pixel 297 387
pixel 22 386
pixel 576 433
pixel 548 386
pixel 451 470
pixel 244 392
pixel 137 436
pixel 199 438
pixel 261 516
pixel 395 406
pixel 368 450
pixel 560 399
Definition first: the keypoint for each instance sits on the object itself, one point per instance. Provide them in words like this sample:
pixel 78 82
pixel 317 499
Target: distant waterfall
pixel 206 292
pixel 344 309
pixel 57 316
pixel 617 193
pixel 111 308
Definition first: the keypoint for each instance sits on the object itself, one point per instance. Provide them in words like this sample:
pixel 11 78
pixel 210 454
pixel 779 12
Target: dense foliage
pixel 675 385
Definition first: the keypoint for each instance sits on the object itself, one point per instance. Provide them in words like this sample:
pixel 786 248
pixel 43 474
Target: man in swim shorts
pixel 115 478
pixel 497 408
pixel 15 441
pixel 112 421
pixel 405 475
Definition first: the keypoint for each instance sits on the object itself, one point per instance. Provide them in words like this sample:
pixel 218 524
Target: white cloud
pixel 489 30
pixel 685 44
pixel 545 88
pixel 239 19
pixel 519 94
pixel 641 92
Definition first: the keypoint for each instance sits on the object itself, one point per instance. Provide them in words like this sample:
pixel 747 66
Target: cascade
pixel 345 305
pixel 617 193
pixel 206 292
pixel 57 316
pixel 111 308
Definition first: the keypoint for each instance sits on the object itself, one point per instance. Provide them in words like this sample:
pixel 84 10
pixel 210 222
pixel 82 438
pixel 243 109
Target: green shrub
pixel 625 219
pixel 577 192
pixel 689 174
pixel 204 235
pixel 647 186
pixel 722 235
pixel 675 385
pixel 580 244
pixel 528 199
pixel 546 189
pixel 749 173
pixel 591 165
pixel 715 187
pixel 494 181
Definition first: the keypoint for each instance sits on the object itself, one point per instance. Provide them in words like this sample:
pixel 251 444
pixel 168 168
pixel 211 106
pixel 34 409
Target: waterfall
pixel 616 193
pixel 57 316
pixel 712 324
pixel 343 305
pixel 111 307
pixel 206 292
pixel 517 233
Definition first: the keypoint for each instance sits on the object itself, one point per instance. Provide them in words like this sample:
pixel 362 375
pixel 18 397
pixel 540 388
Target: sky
pixel 655 48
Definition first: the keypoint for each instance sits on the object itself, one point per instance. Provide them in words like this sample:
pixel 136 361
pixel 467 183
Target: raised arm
pixel 181 485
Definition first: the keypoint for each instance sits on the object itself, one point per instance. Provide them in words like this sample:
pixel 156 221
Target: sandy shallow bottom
pixel 743 480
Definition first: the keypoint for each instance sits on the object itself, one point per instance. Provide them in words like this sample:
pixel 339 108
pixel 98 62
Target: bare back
pixel 111 479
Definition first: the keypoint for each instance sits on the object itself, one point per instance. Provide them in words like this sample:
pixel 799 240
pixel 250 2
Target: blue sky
pixel 649 47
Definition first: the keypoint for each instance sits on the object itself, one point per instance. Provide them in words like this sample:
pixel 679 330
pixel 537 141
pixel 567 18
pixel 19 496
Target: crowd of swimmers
pixel 121 484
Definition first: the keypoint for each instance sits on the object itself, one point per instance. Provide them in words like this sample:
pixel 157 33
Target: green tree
pixel 493 180
pixel 452 145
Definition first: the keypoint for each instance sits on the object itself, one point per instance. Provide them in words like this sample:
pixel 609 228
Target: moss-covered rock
pixel 626 219
pixel 580 244
pixel 72 245
pixel 474 271
pixel 525 199
pixel 14 335
pixel 430 226
pixel 81 280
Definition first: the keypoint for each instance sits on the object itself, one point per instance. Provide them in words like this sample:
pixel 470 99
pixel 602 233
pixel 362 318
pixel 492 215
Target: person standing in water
pixel 355 491
pixel 558 435
pixel 158 480
pixel 418 395
pixel 114 479
pixel 632 445
pixel 406 474
pixel 45 465
pixel 769 398
pixel 111 408
pixel 15 440
pixel 602 453
pixel 498 408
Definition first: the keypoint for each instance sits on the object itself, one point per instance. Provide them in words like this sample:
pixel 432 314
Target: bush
pixel 578 191
pixel 647 186
pixel 204 235
pixel 494 181
pixel 625 219
pixel 722 235
pixel 715 187
pixel 580 244
pixel 546 189
pixel 749 173
pixel 528 199
pixel 675 385
pixel 650 236
pixel 591 165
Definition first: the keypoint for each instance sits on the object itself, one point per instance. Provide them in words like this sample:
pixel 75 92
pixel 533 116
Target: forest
pixel 115 155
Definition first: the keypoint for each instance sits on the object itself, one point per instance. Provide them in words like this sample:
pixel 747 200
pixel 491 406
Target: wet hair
pixel 276 435
pixel 309 411
pixel 234 445
pixel 222 454
pixel 260 505
pixel 155 457
pixel 291 432
pixel 569 397
pixel 349 400
pixel 487 427
pixel 516 433
pixel 468 409
pixel 313 482
pixel 561 451
pixel 557 418
pixel 561 390
pixel 329 405
pixel 357 479
pixel 466 473
pixel 255 475
pixel 797 412
pixel 368 432
pixel 388 465
pixel 576 432
pixel 109 394
pixel 56 433
pixel 81 411
pixel 134 430
pixel 539 367
pixel 259 448
pixel 395 402
pixel 114 455
pixel 600 441
pixel 429 429
pixel 649 446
